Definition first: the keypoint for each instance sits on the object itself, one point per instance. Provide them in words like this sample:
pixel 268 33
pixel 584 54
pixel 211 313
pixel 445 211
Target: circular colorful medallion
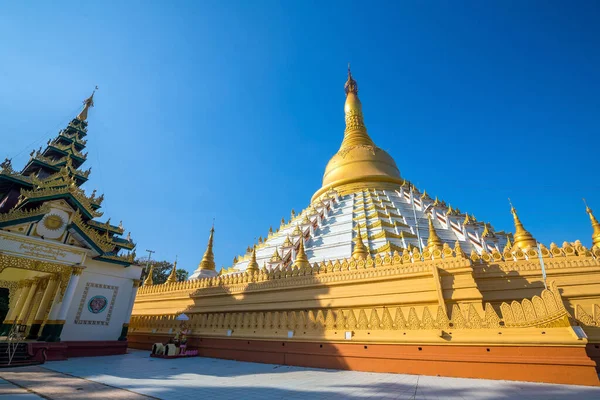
pixel 97 304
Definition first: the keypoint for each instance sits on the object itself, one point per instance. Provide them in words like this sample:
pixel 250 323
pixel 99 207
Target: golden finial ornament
pixel 276 257
pixel 360 250
pixel 301 259
pixel 433 241
pixel 173 275
pixel 358 158
pixel 253 265
pixel 595 226
pixel 149 281
pixel 523 239
pixel 356 131
pixel 87 103
pixel 208 260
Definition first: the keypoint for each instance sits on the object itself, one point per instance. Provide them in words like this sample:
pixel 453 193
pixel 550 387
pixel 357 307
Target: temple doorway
pixel 4 292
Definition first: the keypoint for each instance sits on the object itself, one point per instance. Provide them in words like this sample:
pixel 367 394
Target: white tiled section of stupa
pixel 389 220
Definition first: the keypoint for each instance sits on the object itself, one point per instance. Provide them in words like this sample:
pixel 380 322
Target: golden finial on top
pixel 595 226
pixel 360 250
pixel 522 237
pixel 358 158
pixel 351 86
pixel 87 103
pixel 433 241
pixel 208 260
pixel 252 265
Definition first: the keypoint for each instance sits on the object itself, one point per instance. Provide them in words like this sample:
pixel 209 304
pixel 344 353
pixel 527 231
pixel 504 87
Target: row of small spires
pixel 522 239
pixel 405 257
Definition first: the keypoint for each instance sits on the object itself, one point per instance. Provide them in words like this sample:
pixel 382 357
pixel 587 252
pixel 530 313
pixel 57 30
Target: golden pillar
pixel 24 287
pixel 38 319
pixel 24 312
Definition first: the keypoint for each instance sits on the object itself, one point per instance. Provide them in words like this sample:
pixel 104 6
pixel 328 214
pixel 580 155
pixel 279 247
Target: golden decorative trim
pixel 93 234
pixel 74 190
pixel 62 271
pixel 542 311
pixel 77 270
pixel 21 214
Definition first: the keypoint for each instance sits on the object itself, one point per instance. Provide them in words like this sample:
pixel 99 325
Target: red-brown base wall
pixel 566 365
pixel 63 350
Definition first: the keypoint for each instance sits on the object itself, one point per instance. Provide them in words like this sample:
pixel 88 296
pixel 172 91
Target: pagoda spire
pixel 149 281
pixel 360 250
pixel 523 239
pixel 356 131
pixel 433 241
pixel 595 226
pixel 358 158
pixel 173 275
pixel 208 260
pixel 301 259
pixel 253 265
pixel 87 103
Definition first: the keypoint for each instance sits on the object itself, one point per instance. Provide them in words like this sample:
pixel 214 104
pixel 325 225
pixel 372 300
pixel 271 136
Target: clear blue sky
pixel 232 109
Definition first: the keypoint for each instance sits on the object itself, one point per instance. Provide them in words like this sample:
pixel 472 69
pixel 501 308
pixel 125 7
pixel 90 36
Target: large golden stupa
pixel 376 275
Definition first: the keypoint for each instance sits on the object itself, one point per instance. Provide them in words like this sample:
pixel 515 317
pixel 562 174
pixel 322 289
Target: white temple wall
pixel 97 321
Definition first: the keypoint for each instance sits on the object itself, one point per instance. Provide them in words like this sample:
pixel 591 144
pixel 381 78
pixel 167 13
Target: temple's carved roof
pixel 53 174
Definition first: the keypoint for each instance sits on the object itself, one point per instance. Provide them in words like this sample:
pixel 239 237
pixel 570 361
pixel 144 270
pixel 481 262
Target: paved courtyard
pixel 137 376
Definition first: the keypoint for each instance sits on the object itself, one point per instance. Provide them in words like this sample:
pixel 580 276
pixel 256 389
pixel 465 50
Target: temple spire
pixel 523 239
pixel 149 280
pixel 87 103
pixel 208 260
pixel 360 250
pixel 433 241
pixel 253 265
pixel 301 259
pixel 173 275
pixel 595 226
pixel 356 131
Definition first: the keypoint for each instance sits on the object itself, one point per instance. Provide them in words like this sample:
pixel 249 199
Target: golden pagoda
pixel 376 275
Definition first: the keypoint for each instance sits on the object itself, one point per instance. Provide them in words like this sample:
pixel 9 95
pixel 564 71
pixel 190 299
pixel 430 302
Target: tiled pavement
pixel 206 378
pixel 26 383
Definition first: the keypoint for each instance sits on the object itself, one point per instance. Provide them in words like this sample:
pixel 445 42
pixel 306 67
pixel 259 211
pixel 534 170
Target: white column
pixel 136 285
pixel 56 303
pixel 48 293
pixel 69 292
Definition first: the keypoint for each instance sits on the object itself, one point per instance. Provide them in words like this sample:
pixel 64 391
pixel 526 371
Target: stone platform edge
pixel 548 364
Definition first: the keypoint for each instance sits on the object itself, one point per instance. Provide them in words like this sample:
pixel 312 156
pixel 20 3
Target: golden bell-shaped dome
pixel 358 160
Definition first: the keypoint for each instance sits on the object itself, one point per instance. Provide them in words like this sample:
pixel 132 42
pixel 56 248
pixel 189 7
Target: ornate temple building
pixel 70 287
pixel 376 275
